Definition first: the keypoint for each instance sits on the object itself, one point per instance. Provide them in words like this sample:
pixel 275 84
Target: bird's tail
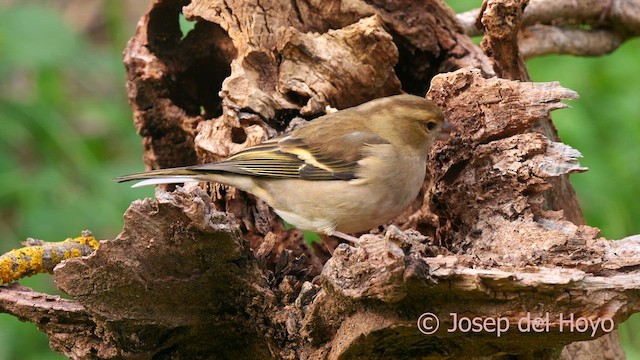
pixel 162 176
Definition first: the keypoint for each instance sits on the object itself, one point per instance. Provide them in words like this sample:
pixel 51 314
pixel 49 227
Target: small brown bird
pixel 344 172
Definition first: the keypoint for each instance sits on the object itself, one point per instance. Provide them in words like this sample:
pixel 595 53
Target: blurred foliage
pixel 604 125
pixel 66 132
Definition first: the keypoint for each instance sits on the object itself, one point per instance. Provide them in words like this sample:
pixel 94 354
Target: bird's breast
pixel 383 191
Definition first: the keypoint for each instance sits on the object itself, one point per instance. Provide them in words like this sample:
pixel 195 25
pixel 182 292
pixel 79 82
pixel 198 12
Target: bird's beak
pixel 445 130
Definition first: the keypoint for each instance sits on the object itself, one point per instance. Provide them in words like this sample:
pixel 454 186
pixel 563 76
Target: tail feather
pixel 162 176
pixel 164 180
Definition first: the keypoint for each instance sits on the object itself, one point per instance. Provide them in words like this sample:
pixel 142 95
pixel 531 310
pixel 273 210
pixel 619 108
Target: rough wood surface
pixel 209 272
pixel 584 28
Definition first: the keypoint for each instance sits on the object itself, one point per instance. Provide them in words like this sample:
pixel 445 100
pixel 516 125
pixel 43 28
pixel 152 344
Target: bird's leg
pixel 341 235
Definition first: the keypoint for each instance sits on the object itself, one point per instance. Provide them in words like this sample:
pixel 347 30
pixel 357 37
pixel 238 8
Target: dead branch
pixel 539 40
pixel 38 256
pixel 583 28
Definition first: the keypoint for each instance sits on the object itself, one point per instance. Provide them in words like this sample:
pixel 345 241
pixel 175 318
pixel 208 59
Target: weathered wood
pixel 583 28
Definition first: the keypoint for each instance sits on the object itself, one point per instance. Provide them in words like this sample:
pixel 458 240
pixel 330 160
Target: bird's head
pixel 407 121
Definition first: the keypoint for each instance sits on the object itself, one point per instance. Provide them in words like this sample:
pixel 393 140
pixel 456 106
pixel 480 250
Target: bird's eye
pixel 430 125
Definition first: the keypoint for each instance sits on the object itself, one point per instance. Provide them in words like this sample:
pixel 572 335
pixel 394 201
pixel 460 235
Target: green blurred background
pixel 66 131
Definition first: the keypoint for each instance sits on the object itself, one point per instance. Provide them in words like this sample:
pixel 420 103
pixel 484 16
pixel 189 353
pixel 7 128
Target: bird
pixel 344 172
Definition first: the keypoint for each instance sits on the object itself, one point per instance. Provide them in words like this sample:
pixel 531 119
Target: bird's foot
pixel 341 235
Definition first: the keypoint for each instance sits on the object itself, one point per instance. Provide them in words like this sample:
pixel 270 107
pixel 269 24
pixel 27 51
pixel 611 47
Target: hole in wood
pixel 238 135
pixel 195 62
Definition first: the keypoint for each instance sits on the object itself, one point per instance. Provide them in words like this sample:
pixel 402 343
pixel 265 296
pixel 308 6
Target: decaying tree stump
pixel 211 272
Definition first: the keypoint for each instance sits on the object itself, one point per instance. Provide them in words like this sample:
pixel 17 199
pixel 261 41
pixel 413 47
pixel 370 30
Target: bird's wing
pixel 321 155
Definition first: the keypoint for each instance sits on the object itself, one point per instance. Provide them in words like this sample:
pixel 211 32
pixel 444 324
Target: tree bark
pixel 583 28
pixel 210 272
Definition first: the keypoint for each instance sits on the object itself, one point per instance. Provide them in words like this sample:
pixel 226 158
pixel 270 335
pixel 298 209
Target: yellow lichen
pixel 42 257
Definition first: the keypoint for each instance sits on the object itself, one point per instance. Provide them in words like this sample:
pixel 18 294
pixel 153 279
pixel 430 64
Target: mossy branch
pixel 38 256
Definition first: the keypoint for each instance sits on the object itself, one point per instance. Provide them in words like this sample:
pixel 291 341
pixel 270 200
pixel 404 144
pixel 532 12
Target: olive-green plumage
pixel 348 171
